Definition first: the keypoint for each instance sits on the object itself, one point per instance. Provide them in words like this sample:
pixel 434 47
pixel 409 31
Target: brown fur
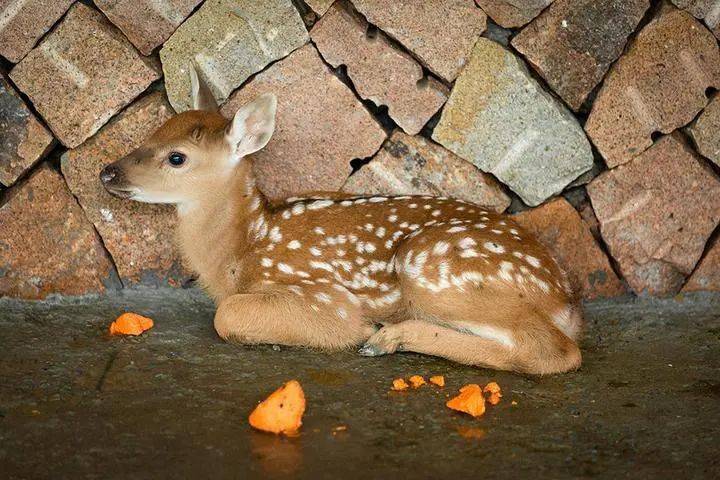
pixel 438 276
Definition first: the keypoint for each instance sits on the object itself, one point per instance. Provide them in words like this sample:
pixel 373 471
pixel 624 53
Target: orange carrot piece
pixel 438 380
pixel 417 381
pixel 282 411
pixel 470 400
pixel 493 388
pixel 130 324
pixel 400 384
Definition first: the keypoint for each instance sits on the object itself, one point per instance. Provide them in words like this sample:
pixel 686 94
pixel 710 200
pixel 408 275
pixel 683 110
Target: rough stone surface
pixel 708 10
pixel 707 273
pixel 705 131
pixel 23 139
pixel 81 74
pixel 319 6
pixel 499 118
pixel 573 43
pixel 658 85
pixel 227 41
pixel 513 13
pixel 23 22
pixel 415 166
pixel 440 33
pixel 320 127
pixel 656 214
pixel 559 227
pixel 380 72
pixel 47 244
pixel 147 23
pixel 139 236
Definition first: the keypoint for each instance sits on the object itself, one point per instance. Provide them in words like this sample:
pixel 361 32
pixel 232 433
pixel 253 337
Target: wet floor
pixel 76 403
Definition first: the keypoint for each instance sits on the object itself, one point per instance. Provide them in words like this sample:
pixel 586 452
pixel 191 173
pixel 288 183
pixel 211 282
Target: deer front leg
pixel 292 315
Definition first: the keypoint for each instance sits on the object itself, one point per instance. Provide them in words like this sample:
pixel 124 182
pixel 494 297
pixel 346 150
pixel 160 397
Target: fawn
pixel 413 273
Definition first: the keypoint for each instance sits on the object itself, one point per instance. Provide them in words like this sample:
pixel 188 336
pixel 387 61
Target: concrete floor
pixel 76 403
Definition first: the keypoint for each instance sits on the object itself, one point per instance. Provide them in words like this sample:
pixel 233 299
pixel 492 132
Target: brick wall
pixel 594 122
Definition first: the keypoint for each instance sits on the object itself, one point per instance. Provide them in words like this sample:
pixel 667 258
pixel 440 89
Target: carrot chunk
pixel 417 381
pixel 495 393
pixel 470 400
pixel 438 380
pixel 282 411
pixel 400 384
pixel 130 324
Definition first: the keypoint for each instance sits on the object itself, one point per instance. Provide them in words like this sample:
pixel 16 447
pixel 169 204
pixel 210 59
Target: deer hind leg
pixel 312 316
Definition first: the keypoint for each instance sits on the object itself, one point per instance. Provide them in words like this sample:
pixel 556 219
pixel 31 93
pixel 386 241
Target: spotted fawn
pixel 387 273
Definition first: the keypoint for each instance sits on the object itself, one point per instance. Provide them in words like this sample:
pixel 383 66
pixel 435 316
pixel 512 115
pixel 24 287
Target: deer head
pixel 193 152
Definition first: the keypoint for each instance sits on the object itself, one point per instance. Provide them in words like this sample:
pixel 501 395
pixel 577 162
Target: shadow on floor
pixel 76 403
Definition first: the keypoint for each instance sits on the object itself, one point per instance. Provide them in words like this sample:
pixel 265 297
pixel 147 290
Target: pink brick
pixel 47 245
pixel 81 74
pixel 440 33
pixel 23 22
pixel 147 23
pixel 321 126
pixel 379 71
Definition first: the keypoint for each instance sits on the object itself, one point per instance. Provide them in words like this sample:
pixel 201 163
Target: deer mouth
pixel 120 192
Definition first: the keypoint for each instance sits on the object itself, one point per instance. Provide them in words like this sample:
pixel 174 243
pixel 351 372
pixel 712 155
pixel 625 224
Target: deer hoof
pixel 382 342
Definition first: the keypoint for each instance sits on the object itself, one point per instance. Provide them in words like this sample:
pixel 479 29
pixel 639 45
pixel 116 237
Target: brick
pixel 147 23
pixel 440 33
pixel 228 41
pixel 139 236
pixel 499 118
pixel 319 6
pixel 379 71
pixel 23 23
pixel 706 276
pixel 573 43
pixel 705 131
pixel 658 85
pixel 412 165
pixel 707 10
pixel 47 244
pixel 559 227
pixel 321 126
pixel 23 139
pixel 81 74
pixel 511 13
pixel 656 213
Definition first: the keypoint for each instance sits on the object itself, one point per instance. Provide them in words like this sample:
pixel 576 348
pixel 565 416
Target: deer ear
pixel 202 97
pixel 252 126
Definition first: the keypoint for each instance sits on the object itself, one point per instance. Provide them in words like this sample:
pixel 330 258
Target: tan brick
pixel 139 236
pixel 23 139
pixel 440 33
pixel 23 22
pixel 707 10
pixel 379 71
pixel 408 165
pixel 706 276
pixel 511 13
pixel 81 74
pixel 227 41
pixel 321 126
pixel 705 131
pixel 319 6
pixel 47 244
pixel 573 43
pixel 559 227
pixel 658 85
pixel 656 213
pixel 147 23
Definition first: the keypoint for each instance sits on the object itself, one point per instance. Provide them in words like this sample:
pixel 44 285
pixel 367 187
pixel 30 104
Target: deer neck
pixel 212 231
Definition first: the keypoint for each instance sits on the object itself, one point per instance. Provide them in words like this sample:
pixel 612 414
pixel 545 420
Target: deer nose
pixel 109 173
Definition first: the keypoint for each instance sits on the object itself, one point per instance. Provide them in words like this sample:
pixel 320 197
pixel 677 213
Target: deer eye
pixel 176 159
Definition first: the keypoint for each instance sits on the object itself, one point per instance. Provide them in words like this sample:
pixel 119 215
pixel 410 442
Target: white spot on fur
pixel 293 245
pixel 533 261
pixel 266 262
pixel 456 229
pixel 489 333
pixel 467 242
pixel 316 252
pixel 494 247
pixel 441 248
pixel 275 235
pixel 285 268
